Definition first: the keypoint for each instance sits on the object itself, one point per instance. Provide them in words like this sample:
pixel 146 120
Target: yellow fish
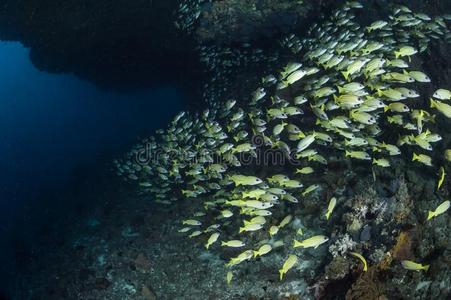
pixel 233 243
pixel 251 227
pixel 330 208
pixel 305 170
pixel 213 238
pixel 285 221
pixel 439 210
pixel 273 230
pixel 441 107
pixel 405 51
pixel 264 249
pixel 314 242
pixel 245 180
pixel 413 266
pixel 229 277
pixel 442 178
pixel 422 158
pixel 288 264
pixel 359 256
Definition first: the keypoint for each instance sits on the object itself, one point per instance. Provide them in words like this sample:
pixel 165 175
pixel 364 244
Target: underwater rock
pixel 143 262
pixel 148 294
pixel 365 234
pixel 117 44
pixel 338 268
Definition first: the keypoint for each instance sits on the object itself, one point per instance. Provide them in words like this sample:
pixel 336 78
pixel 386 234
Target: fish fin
pixel 397 53
pixel 281 274
pixel 345 74
pixel 414 157
pixel 426 267
pixel 433 103
pixel 430 215
pixel 385 108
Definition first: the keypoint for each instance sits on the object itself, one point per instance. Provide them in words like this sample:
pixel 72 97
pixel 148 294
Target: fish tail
pixel 415 157
pixel 206 246
pixel 433 103
pixel 327 215
pixel 340 90
pixel 223 243
pixel 385 108
pixel 345 74
pixel 430 215
pixel 347 153
pixel 241 229
pixel 255 254
pixel 281 274
pixel 397 54
pixel 426 267
pixel 335 96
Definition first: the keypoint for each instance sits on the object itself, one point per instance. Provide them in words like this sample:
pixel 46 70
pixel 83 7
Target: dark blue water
pixel 57 130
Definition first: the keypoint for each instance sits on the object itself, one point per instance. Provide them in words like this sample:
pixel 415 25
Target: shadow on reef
pixel 117 44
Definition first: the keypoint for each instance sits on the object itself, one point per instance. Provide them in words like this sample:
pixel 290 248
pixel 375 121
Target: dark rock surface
pixel 116 44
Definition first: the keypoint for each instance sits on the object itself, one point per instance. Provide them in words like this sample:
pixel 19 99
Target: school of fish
pixel 347 90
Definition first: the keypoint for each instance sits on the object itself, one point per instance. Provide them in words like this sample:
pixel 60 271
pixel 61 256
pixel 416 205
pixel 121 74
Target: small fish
pixel 285 221
pixel 448 154
pixel 226 213
pixel 195 233
pixel 310 189
pixel 442 94
pixel 229 277
pixel 358 155
pixel 273 230
pixel 264 249
pixel 382 162
pixel 441 107
pixel 245 180
pixel 184 229
pixel 251 227
pixel 314 242
pixel 233 244
pixel 330 208
pixel 288 264
pixel 191 222
pixel 442 177
pixel 413 266
pixel 405 51
pixel 439 210
pixel 359 256
pixel 305 170
pixel 422 158
pixel 376 25
pixel 213 238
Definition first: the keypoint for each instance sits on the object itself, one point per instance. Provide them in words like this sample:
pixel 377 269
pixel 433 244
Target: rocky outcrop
pixel 118 44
